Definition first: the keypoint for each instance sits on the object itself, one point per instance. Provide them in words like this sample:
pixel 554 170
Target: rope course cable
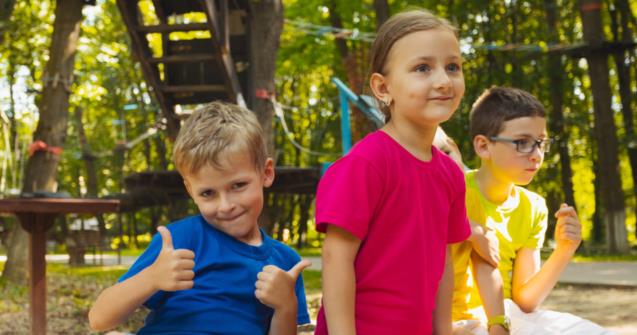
pixel 279 112
pixel 539 47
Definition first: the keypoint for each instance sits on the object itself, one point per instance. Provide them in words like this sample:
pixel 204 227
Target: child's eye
pixel 206 193
pixel 453 67
pixel 240 185
pixel 525 143
pixel 422 68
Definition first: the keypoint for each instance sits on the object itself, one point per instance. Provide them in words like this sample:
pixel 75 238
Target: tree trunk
pixel 41 168
pixel 266 24
pixel 612 198
pixel 91 178
pixel 361 126
pixel 624 79
pixel 556 119
pixel 6 8
pixel 381 7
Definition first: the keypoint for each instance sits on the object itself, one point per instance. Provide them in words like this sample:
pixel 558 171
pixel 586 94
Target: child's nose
pixel 442 79
pixel 225 203
pixel 537 154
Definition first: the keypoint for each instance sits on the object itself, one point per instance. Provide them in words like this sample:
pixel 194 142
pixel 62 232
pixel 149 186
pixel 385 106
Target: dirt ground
pixel 615 309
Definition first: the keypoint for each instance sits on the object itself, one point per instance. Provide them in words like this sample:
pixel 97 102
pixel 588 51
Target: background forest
pixel 578 57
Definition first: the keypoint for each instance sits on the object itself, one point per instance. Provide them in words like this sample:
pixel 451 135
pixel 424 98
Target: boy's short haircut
pixel 500 104
pixel 214 130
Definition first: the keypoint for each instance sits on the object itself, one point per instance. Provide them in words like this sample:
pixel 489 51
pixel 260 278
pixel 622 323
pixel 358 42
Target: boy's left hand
pixel 568 231
pixel 275 287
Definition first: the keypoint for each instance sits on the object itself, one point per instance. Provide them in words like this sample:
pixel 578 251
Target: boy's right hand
pixel 173 269
pixel 485 242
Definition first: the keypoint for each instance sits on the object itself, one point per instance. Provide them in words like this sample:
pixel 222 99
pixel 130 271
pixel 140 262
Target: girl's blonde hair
pixel 215 130
pixel 397 27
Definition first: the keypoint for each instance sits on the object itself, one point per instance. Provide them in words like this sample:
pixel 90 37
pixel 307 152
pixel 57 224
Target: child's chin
pixel 524 182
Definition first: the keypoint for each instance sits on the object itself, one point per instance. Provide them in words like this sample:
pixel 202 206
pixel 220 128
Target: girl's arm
pixel 489 282
pixel 339 280
pixel 442 314
pixel 532 284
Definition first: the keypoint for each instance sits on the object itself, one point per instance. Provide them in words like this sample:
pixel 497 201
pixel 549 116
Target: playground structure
pixel 204 56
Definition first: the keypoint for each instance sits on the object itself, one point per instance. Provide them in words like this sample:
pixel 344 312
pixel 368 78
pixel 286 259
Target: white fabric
pixel 540 322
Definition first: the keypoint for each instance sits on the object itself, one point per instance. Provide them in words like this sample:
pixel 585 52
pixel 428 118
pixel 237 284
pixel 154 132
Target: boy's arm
pixel 171 271
pixel 116 303
pixel 532 284
pixel 489 282
pixel 442 322
pixel 339 280
pixel 275 288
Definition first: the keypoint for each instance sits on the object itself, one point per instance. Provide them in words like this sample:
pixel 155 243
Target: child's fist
pixel 275 287
pixel 568 231
pixel 172 270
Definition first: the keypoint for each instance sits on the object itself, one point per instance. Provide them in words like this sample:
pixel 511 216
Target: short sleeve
pixel 348 195
pixel 459 229
pixel 540 223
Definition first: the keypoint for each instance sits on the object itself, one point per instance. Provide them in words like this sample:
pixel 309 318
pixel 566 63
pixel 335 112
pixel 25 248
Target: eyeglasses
pixel 526 145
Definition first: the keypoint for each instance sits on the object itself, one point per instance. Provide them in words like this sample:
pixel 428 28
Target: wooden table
pixel 36 216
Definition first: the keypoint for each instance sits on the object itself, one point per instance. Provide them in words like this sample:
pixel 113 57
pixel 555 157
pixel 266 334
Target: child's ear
pixel 481 146
pixel 268 173
pixel 188 188
pixel 378 84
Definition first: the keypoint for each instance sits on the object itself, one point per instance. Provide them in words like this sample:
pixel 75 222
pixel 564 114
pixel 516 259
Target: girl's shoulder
pixel 372 148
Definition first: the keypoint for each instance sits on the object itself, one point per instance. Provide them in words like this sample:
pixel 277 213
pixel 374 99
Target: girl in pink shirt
pixel 394 202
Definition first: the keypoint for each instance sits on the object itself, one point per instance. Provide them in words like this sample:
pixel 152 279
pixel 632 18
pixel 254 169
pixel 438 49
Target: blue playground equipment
pixel 364 102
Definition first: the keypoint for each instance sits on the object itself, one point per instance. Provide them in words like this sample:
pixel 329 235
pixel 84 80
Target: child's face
pixel 424 77
pixel 504 159
pixel 231 199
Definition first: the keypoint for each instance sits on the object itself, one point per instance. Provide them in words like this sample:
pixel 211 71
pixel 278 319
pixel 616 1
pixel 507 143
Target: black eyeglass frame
pixel 543 144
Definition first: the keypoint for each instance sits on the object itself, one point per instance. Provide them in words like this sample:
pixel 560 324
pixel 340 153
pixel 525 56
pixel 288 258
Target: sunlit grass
pixel 310 252
pixel 112 271
pixel 312 280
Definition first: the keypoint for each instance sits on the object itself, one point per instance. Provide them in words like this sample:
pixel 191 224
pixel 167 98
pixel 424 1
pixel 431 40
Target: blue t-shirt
pixel 222 300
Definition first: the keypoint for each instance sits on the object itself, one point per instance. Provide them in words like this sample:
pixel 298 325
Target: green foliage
pixel 492 35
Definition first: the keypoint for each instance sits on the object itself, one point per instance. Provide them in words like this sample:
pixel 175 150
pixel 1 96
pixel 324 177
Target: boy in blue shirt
pixel 216 272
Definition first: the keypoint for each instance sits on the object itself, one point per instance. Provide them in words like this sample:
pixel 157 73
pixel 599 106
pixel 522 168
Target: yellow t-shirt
pixel 519 222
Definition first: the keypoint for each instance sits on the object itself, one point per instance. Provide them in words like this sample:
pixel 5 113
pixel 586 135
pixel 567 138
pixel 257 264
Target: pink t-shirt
pixel 405 211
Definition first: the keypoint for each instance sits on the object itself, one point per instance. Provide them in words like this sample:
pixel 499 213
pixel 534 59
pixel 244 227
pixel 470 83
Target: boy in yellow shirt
pixel 502 257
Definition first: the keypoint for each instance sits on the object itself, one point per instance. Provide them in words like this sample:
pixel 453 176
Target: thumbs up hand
pixel 172 270
pixel 275 287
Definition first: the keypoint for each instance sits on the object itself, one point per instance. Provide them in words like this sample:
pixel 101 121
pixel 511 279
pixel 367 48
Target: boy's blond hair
pixel 214 130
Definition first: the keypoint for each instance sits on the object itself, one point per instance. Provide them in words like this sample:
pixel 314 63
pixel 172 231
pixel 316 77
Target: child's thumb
pixel 166 237
pixel 296 270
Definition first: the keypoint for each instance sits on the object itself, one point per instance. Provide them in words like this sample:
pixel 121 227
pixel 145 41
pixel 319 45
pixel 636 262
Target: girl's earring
pixel 387 101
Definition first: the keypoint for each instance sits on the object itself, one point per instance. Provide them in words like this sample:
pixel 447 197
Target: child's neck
pixel 417 141
pixel 495 190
